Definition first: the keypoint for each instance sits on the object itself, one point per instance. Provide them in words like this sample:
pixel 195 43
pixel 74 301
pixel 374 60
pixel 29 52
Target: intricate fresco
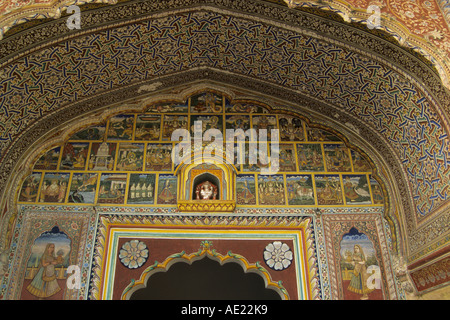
pixel 427 20
pixel 49 256
pixel 30 188
pixel 49 161
pixel 356 189
pixel 83 188
pixel 399 110
pixel 123 162
pixel 315 169
pixel 51 241
pixel 300 190
pixel 141 189
pixel 329 190
pixel 141 246
pixel 167 189
pixel 139 174
pixel 246 190
pixel 54 187
pixel 112 188
pixel 359 265
pixel 427 277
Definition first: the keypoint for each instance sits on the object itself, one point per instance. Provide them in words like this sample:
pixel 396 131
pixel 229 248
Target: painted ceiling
pixel 423 25
pixel 397 97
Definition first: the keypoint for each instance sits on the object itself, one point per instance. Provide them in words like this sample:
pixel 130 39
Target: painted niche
pixel 206 186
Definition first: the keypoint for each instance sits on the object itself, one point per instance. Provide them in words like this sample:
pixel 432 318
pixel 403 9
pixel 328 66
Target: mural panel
pixel 356 189
pixel 286 157
pixel 141 189
pixel 30 188
pixel 49 161
pixel 173 122
pixel 74 156
pixel 91 133
pixel 167 189
pixel 49 258
pixel 291 128
pixel 359 264
pixel 337 157
pixel 49 242
pixel 207 122
pixel 329 190
pixel 54 187
pixel 148 127
pixel 159 157
pixel 310 157
pixel 315 134
pixel 112 188
pixel 377 193
pixel 264 122
pixel 120 127
pixel 207 102
pixel 83 188
pixel 130 157
pixel 102 156
pixel 237 122
pixel 246 190
pixel 359 267
pixel 300 190
pixel 271 190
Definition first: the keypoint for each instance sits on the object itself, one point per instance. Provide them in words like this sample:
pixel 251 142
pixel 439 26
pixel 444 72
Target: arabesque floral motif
pixel 133 254
pixel 278 255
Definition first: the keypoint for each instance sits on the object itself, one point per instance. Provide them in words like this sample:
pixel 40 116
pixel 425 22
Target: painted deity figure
pixel 54 192
pixel 206 191
pixel 44 283
pixel 358 282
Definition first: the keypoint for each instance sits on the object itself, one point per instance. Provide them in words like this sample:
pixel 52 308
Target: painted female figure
pixel 166 195
pixel 246 194
pixel 44 283
pixel 358 282
pixel 349 190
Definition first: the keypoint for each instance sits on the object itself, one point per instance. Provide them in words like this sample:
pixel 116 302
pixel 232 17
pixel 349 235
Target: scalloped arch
pixel 205 251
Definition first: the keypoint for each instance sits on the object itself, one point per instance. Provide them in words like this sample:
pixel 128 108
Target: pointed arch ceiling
pixel 421 25
pixel 385 94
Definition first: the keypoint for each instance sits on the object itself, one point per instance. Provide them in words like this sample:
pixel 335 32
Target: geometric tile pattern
pixel 41 82
pixel 421 25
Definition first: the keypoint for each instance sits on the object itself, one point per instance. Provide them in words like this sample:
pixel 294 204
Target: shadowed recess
pixel 205 279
